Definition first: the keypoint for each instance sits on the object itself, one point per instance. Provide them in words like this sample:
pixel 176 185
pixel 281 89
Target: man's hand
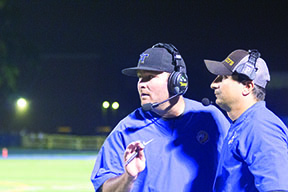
pixel 138 164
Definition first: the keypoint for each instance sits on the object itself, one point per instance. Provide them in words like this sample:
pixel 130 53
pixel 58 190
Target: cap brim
pixel 217 68
pixel 133 70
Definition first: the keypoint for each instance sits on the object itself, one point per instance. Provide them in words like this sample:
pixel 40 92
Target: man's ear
pixel 247 88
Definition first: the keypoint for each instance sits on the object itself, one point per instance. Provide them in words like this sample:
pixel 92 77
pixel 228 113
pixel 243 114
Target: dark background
pixel 72 52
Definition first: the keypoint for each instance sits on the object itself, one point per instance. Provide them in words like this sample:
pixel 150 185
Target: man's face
pixel 227 91
pixel 152 86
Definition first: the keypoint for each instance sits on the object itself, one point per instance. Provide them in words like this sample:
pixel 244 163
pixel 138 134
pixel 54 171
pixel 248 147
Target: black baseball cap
pixel 156 59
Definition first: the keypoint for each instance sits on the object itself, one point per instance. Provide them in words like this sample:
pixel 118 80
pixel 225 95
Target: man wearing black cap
pixel 254 156
pixel 180 137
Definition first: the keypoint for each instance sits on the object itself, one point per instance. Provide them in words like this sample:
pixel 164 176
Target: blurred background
pixel 63 59
pixel 61 87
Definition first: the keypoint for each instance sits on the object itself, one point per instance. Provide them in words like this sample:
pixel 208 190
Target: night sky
pixel 83 45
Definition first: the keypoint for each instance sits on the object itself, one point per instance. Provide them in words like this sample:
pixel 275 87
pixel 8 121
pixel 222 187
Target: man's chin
pixel 222 105
pixel 219 103
pixel 143 102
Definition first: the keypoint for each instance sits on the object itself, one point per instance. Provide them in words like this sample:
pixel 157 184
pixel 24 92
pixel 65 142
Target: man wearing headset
pixel 180 137
pixel 254 156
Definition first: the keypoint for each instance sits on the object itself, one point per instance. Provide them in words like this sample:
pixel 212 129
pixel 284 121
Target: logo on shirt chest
pixel 232 137
pixel 202 137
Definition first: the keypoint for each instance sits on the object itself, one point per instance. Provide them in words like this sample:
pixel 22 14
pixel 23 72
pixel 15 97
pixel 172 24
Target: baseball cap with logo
pixel 235 59
pixel 156 59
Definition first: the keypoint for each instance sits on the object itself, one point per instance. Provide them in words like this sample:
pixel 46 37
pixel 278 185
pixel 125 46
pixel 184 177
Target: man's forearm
pixel 122 183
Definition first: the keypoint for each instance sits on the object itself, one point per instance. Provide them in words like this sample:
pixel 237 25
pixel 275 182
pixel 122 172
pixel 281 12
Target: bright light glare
pixel 115 105
pixel 105 104
pixel 21 103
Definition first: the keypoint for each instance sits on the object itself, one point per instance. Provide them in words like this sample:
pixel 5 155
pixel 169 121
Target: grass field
pixel 46 173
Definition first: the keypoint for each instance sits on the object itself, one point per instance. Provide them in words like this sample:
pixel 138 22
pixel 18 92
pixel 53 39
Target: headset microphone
pixel 206 102
pixel 150 106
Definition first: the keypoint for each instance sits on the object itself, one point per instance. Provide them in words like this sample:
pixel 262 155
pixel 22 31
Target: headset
pixel 249 68
pixel 178 79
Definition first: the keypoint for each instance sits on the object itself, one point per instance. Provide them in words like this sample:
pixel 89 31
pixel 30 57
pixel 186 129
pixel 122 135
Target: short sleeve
pixel 264 149
pixel 109 162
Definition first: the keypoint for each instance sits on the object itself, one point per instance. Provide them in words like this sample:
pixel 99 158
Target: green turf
pixel 45 175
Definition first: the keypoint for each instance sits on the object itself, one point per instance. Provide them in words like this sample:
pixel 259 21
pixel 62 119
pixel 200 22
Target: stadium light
pixel 115 105
pixel 22 104
pixel 105 105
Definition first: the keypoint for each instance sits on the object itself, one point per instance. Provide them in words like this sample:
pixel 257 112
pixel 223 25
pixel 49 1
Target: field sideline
pixel 46 172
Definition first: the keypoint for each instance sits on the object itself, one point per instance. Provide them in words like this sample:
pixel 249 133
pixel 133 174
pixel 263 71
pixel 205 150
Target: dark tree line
pixel 18 58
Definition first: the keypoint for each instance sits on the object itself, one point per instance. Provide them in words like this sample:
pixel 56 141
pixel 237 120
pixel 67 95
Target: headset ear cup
pixel 247 69
pixel 177 83
pixel 171 83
